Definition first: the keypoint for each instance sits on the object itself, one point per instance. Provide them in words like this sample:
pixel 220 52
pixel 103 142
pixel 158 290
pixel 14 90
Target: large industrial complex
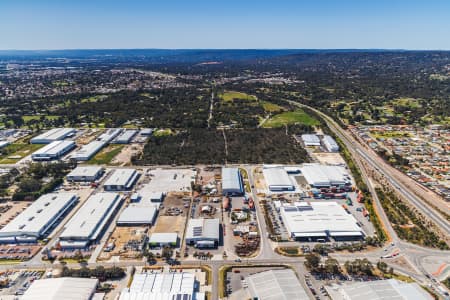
pixel 54 150
pixel 278 180
pixel 319 176
pixel 86 173
pixel 56 134
pixel 38 219
pixel 62 288
pixel 232 184
pixel 319 221
pixel 87 225
pixel 203 233
pixel 138 214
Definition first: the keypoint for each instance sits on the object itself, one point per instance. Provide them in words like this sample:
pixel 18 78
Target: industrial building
pixel 56 134
pixel 162 286
pixel 379 290
pixel 310 140
pixel 163 239
pixel 3 144
pixel 232 184
pixel 88 224
pixel 277 179
pixel 38 219
pixel 146 132
pixel 203 233
pixel 86 173
pixel 330 144
pixel 276 285
pixel 54 150
pixel 125 137
pixel 67 288
pixel 138 214
pixel 121 180
pixel 318 175
pixel 86 152
pixel 314 221
pixel 109 135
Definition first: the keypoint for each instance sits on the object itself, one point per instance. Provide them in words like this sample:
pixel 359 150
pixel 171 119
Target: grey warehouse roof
pixel 85 171
pixel 231 179
pixel 203 228
pixel 66 288
pixel 277 177
pixel 121 177
pixel 311 139
pixel 276 285
pixel 138 214
pixel 52 135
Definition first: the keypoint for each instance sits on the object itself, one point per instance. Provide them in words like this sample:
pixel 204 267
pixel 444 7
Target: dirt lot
pixel 10 209
pixel 170 224
pixel 88 136
pixel 124 157
pixel 175 204
pixel 208 175
pixel 328 158
pixel 127 243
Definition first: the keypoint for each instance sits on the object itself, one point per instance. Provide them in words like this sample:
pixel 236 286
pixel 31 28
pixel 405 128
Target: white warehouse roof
pixel 89 150
pixel 87 172
pixel 138 214
pixel 309 219
pixel 163 238
pixel 121 178
pixel 384 289
pixel 52 135
pixel 126 136
pixel 330 144
pixel 161 286
pixel 109 135
pixel 278 178
pixel 203 229
pixel 276 285
pixel 323 175
pixel 67 288
pixel 39 216
pixel 232 180
pixel 53 150
pixel 90 219
pixel 311 140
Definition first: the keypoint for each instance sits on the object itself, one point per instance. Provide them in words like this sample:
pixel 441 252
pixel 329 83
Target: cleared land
pixel 291 117
pixel 231 95
pixel 15 152
pixel 106 155
pixel 271 107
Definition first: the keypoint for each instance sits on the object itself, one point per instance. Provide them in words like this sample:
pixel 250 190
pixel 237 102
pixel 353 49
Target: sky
pixel 227 24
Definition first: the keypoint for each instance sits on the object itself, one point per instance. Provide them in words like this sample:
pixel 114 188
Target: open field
pixel 231 95
pixel 291 117
pixel 106 155
pixel 38 118
pixel 271 107
pixel 15 152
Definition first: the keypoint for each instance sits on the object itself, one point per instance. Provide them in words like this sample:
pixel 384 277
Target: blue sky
pixel 313 24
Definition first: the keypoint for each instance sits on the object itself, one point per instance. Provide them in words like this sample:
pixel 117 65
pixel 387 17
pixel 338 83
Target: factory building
pixel 330 144
pixel 232 184
pixel 319 176
pixel 162 286
pixel 277 179
pixel 86 152
pixel 163 239
pixel 125 137
pixel 109 135
pixel 146 132
pixel 319 221
pixel 203 233
pixel 88 224
pixel 54 150
pixel 36 221
pixel 310 140
pixel 121 180
pixel 68 288
pixel 138 214
pixel 56 134
pixel 3 144
pixel 276 284
pixel 86 173
pixel 380 290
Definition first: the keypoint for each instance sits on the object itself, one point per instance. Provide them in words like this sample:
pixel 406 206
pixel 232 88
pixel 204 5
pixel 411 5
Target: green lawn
pixel 291 117
pixel 19 151
pixel 408 102
pixel 106 155
pixel 93 98
pixel 163 132
pixel 230 96
pixel 271 107
pixel 37 118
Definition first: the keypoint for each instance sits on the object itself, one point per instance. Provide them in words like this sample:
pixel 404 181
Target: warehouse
pixel 125 137
pixel 67 288
pixel 138 214
pixel 54 150
pixel 86 152
pixel 121 180
pixel 314 221
pixel 86 173
pixel 38 219
pixel 56 134
pixel 163 239
pixel 277 179
pixel 88 224
pixel 318 175
pixel 380 290
pixel 330 144
pixel 109 135
pixel 232 184
pixel 3 144
pixel 203 233
pixel 310 140
pixel 162 286
pixel 276 284
pixel 146 132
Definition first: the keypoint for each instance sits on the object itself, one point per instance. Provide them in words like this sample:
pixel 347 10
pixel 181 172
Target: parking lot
pixel 17 282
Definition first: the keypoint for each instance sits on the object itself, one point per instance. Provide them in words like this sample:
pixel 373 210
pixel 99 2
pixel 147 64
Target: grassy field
pixel 106 155
pixel 390 134
pixel 93 98
pixel 37 118
pixel 408 102
pixel 230 96
pixel 271 107
pixel 163 132
pixel 19 151
pixel 291 117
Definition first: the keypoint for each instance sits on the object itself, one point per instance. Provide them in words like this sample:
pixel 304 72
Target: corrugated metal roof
pixel 203 228
pixel 85 171
pixel 121 177
pixel 277 177
pixel 52 135
pixel 138 214
pixel 61 288
pixel 231 179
